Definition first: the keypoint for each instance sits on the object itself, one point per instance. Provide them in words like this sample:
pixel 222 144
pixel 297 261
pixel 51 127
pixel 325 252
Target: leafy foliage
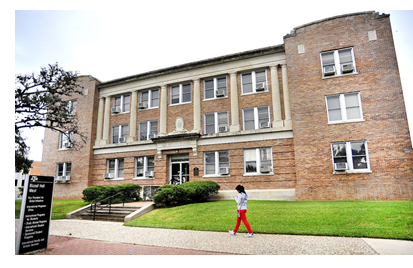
pixel 130 192
pixel 39 102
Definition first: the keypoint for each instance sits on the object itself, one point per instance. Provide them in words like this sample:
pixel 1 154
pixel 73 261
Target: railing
pixel 93 207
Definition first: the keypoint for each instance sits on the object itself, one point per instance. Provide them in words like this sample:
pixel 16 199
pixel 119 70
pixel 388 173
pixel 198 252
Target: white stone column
pixel 276 99
pixel 235 126
pixel 197 106
pixel 106 122
pixel 163 111
pixel 100 121
pixel 133 111
pixel 286 95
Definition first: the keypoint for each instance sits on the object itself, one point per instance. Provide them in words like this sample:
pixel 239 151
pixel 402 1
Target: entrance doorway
pixel 179 169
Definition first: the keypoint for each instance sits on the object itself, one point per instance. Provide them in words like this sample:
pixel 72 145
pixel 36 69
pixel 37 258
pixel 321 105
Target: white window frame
pixel 181 85
pixel 256 117
pixel 216 121
pixel 337 64
pixel 349 158
pixel 151 98
pixel 148 129
pixel 217 164
pixel 71 107
pixel 145 167
pixel 122 104
pixel 343 108
pixel 258 162
pixel 254 81
pixel 215 88
pixel 116 169
pixel 67 136
pixel 64 172
pixel 119 134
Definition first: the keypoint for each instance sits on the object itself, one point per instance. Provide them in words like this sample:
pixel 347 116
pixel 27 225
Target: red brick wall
pixel 80 157
pixel 385 127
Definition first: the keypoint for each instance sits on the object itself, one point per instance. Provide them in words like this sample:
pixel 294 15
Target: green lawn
pixel 59 209
pixel 379 219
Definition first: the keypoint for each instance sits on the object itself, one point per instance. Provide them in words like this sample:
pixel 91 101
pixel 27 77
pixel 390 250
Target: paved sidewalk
pixel 213 242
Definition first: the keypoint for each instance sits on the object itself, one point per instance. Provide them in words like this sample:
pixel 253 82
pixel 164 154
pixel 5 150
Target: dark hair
pixel 240 188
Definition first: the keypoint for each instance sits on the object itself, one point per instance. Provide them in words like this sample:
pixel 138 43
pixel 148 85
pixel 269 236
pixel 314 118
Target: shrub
pixel 99 192
pixel 190 192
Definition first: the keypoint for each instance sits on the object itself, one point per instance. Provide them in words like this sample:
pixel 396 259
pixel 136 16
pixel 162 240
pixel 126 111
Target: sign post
pixel 35 214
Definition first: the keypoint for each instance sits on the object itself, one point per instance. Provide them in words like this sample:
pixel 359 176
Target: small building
pixel 20 178
pixel 319 117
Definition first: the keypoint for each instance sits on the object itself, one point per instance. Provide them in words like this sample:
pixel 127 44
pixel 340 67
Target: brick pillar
pixel 286 95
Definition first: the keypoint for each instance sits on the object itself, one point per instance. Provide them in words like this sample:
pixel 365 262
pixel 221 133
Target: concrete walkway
pixel 221 242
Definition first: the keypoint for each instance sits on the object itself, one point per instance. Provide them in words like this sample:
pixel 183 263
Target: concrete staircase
pixel 117 213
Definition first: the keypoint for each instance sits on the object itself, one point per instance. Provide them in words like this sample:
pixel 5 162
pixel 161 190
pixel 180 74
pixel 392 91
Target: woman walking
pixel 241 200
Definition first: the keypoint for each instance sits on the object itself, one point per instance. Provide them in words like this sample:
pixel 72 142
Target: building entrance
pixel 179 169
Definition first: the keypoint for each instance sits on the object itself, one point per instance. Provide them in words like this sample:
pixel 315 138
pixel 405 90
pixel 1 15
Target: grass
pixel 59 209
pixel 375 219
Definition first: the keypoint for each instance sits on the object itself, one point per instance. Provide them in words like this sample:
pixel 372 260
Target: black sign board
pixel 35 213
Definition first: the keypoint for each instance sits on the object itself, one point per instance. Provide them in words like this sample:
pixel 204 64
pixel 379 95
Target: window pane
pixel 263 114
pixel 115 134
pixel 250 155
pixel 209 123
pixel 339 149
pixel 249 119
pixel 175 94
pixel 117 102
pixel 328 58
pixel 358 148
pixel 260 76
pixel 209 84
pixel 360 162
pixel 154 127
pixel 120 168
pixel 250 166
pixel 353 113
pixel 155 98
pixel 334 115
pixel 222 83
pixel 352 106
pixel 60 169
pixel 222 118
pixel 345 56
pixel 68 169
pixel 126 103
pixel 111 166
pixel 333 102
pixel 139 166
pixel 186 93
pixel 125 131
pixel 145 96
pixel 143 131
pixel 223 157
pixel 210 163
pixel 246 83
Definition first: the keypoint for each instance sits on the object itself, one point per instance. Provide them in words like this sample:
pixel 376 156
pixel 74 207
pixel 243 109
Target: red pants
pixel 242 218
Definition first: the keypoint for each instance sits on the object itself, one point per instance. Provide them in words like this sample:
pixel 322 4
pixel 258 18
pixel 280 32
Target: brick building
pixel 320 117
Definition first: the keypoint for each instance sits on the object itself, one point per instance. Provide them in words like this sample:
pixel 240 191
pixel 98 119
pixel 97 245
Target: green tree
pixel 39 103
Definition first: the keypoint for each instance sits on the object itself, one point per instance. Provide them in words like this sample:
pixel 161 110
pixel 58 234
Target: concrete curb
pixel 143 210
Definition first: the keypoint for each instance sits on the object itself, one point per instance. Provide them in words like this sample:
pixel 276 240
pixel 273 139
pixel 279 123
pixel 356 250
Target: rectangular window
pixel 120 133
pixel 215 88
pixel 63 172
pixel 216 122
pixel 256 118
pixel 181 93
pixel 338 62
pixel 148 130
pixel 115 167
pixel 253 82
pixel 350 156
pixel 216 163
pixel 258 161
pixel 121 104
pixel 151 98
pixel 66 140
pixel 144 166
pixel 71 107
pixel 344 108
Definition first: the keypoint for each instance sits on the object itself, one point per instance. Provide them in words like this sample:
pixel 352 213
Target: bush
pixel 99 192
pixel 190 192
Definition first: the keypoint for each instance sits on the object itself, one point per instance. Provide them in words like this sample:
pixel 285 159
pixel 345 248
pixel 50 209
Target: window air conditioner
pixel 149 174
pixel 265 124
pixel 223 128
pixel 115 110
pixel 68 145
pixel 108 176
pixel 340 166
pixel 122 139
pixel 347 68
pixel 62 178
pixel 220 93
pixel 142 105
pixel 329 70
pixel 153 136
pixel 260 86
pixel 265 169
pixel 223 171
pixel 58 178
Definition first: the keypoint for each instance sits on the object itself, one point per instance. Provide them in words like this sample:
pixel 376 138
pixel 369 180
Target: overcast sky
pixel 135 37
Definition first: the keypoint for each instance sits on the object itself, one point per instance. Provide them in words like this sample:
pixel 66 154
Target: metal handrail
pixel 94 204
